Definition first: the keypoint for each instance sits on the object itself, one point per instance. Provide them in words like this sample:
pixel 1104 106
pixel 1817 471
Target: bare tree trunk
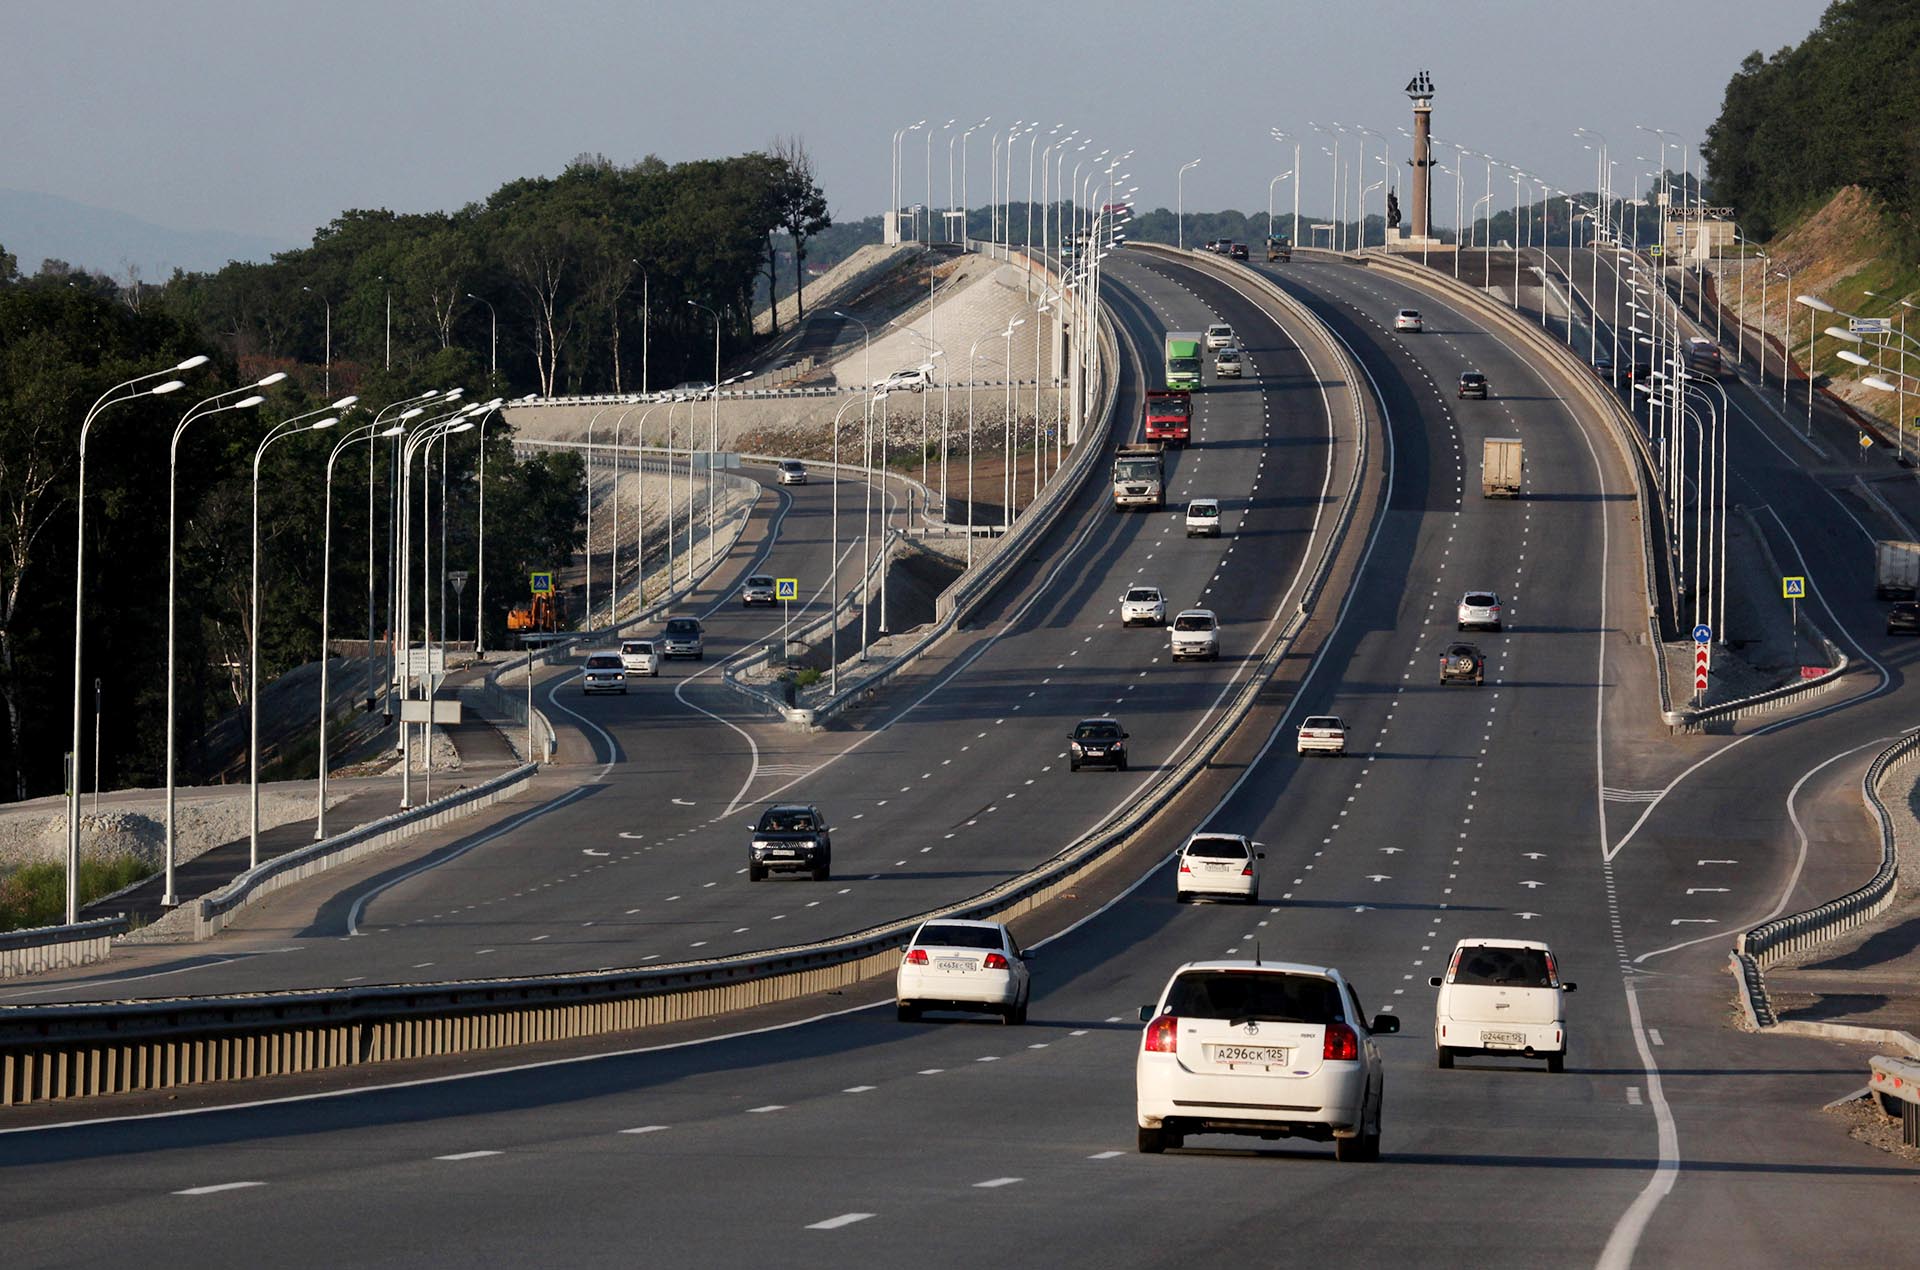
pixel 799 282
pixel 616 350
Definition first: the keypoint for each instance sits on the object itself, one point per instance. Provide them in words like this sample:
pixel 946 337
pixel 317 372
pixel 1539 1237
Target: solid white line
pixel 468 1155
pixel 223 1186
pixel 835 1223
pixel 1625 1239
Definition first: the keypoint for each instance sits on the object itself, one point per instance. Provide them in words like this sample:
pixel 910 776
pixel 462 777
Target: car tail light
pixel 916 956
pixel 1248 871
pixel 1453 966
pixel 1184 866
pixel 994 961
pixel 1553 971
pixel 1341 1044
pixel 1163 1035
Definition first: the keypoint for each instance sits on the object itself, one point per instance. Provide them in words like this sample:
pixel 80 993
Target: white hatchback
pixel 1220 335
pixel 1143 605
pixel 638 657
pixel 1203 518
pixel 1408 320
pixel 603 672
pixel 1266 1049
pixel 1501 997
pixel 951 964
pixel 1223 865
pixel 1321 734
pixel 1195 633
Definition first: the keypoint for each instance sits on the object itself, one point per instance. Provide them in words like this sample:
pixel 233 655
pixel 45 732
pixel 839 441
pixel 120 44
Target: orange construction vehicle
pixel 543 612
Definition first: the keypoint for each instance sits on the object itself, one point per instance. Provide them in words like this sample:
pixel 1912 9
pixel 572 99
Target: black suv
pixel 1237 252
pixel 792 837
pixel 1473 384
pixel 1098 743
pixel 1463 663
pixel 1904 618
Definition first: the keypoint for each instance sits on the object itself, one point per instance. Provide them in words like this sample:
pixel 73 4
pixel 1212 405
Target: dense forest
pixel 546 287
pixel 1840 108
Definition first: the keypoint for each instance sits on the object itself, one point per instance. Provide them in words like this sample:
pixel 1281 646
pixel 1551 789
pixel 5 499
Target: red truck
pixel 1169 415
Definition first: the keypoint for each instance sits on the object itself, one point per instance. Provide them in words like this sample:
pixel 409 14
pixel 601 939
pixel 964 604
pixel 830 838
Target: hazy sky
pixel 263 117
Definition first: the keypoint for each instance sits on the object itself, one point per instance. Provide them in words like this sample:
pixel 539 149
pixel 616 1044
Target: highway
pixel 962 783
pixel 1671 1138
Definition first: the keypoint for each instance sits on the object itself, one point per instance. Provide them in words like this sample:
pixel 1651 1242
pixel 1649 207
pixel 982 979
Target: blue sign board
pixel 1702 633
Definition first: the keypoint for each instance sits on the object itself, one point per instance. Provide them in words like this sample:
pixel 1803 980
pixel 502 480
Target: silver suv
pixel 684 637
pixel 1479 609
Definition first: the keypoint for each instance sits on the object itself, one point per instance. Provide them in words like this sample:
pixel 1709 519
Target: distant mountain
pixel 36 227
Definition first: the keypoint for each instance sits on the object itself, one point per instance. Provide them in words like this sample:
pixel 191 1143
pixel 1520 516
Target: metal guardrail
pixel 1796 932
pixel 30 952
pixel 78 1050
pixel 1895 1084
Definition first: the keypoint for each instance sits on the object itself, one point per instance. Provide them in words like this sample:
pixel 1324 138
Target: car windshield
pixel 760 579
pixel 1472 377
pixel 790 465
pixel 604 661
pixel 1097 732
pixel 1228 355
pixel 1171 408
pixel 683 626
pixel 1136 469
pixel 1193 622
pixel 1218 848
pixel 1217 331
pixel 787 820
pixel 636 646
pixel 1188 365
pixel 1409 313
pixel 1482 599
pixel 1487 966
pixel 1266 995
pixel 1323 721
pixel 1463 650
pixel 950 935
pixel 1143 594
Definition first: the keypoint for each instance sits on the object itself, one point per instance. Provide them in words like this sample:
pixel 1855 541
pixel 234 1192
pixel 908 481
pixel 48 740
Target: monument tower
pixel 1420 89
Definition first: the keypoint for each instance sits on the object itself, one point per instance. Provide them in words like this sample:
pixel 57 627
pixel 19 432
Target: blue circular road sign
pixel 1702 633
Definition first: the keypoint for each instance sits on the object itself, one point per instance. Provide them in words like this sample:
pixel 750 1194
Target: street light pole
pixel 713 422
pixel 1180 201
pixel 285 428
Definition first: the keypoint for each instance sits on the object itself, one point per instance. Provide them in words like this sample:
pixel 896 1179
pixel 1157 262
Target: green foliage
pixel 36 894
pixel 1840 108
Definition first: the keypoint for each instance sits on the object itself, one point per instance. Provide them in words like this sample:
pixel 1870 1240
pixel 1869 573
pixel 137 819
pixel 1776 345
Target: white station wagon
pixel 1501 997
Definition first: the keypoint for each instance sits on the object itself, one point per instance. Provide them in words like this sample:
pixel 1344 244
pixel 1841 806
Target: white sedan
pixel 1322 734
pixel 1265 1049
pixel 975 967
pixel 1218 866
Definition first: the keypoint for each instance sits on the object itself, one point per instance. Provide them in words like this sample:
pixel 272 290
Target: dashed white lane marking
pixel 647 1128
pixel 994 1182
pixel 835 1223
pixel 221 1186
pixel 1106 1155
pixel 860 1089
pixel 930 1071
pixel 1653 1035
pixel 1633 1095
pixel 772 1106
pixel 468 1155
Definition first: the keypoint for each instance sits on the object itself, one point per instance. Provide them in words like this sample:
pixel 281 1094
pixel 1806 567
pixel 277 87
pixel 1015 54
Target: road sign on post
pixel 1703 634
pixel 785 590
pixel 540 583
pixel 1870 325
pixel 1700 657
pixel 1793 588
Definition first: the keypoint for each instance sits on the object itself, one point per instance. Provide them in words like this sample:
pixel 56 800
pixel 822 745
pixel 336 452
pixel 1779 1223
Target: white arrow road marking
pixel 1530 884
pixel 1526 917
pixel 632 837
pixel 591 851
pixel 1693 921
pixel 1700 862
pixel 1534 855
pixel 1393 850
pixel 1378 877
pixel 683 802
pixel 1709 890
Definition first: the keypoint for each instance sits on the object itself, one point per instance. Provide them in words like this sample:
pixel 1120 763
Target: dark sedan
pixel 1904 618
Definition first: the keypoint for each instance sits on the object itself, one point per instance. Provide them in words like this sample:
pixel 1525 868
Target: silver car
pixel 1143 605
pixel 603 672
pixel 757 589
pixel 1479 610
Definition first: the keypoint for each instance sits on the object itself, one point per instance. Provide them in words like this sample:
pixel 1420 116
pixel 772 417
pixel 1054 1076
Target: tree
pixel 800 208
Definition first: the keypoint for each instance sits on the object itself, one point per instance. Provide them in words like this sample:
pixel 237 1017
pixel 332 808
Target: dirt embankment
pixel 1845 254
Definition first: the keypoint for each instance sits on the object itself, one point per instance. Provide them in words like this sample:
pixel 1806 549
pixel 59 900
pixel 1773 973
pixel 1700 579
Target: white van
pixel 1196 633
pixel 1501 997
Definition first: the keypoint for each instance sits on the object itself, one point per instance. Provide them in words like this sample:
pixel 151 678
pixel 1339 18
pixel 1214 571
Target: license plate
pixel 954 963
pixel 782 852
pixel 1511 1039
pixel 1214 867
pixel 1269 1055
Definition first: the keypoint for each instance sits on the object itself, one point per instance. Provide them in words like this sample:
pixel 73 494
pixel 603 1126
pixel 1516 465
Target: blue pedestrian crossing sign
pixel 540 583
pixel 1702 634
pixel 786 588
pixel 1793 588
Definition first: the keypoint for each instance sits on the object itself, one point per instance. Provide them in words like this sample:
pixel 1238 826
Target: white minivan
pixel 1501 997
pixel 1195 633
pixel 639 658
